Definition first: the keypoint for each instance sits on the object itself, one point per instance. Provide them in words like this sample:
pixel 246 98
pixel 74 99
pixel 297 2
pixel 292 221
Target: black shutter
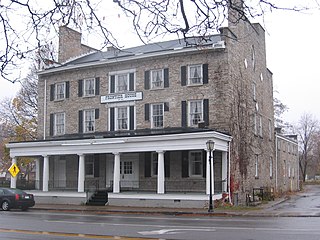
pixel 166 107
pixel 96 113
pixel 205 73
pixel 204 163
pixel 67 89
pixel 184 114
pixel 147 112
pixel 111 119
pixel 166 77
pixel 185 164
pixel 131 115
pixel 80 87
pixel 96 165
pixel 51 124
pixel 147 164
pixel 112 84
pixel 97 86
pixel 206 111
pixel 80 121
pixel 147 80
pixel 167 164
pixel 183 75
pixel 131 82
pixel 52 86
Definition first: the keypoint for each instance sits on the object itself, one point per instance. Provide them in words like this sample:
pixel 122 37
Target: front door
pixel 129 175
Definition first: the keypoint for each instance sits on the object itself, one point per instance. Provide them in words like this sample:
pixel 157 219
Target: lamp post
pixel 210 148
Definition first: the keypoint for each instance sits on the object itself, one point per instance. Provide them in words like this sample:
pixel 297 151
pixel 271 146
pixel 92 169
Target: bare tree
pixel 307 131
pixel 26 25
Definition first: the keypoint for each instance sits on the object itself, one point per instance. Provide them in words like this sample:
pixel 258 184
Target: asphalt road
pixel 42 225
pixel 36 224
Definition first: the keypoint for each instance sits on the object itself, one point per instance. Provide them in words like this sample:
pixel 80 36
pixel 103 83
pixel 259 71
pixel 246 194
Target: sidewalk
pixel 260 210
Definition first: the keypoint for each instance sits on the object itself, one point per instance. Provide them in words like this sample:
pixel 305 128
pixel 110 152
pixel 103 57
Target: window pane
pixel 60 91
pixel 89 87
pixel 157 78
pixel 89 116
pixel 122 118
pixel 195 112
pixel 196 163
pixel 157 115
pixel 195 74
pixel 122 83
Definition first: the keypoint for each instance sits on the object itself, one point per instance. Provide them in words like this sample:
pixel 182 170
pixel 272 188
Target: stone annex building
pixel 135 123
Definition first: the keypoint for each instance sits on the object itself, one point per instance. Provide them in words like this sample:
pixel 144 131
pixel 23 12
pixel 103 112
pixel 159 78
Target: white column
pixel 45 184
pixel 161 176
pixel 224 170
pixel 81 174
pixel 208 174
pixel 37 185
pixel 116 173
pixel 13 182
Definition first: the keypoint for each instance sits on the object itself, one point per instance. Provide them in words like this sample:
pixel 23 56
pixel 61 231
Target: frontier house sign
pixel 121 97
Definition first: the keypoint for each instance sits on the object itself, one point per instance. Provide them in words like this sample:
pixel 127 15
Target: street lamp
pixel 210 148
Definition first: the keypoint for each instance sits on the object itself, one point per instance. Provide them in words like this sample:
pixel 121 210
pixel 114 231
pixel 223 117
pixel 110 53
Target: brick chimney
pixel 70 44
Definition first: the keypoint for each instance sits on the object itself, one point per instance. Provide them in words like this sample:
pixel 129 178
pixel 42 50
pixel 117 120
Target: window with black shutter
pixel 184 114
pixel 112 84
pixel 183 75
pixel 80 88
pixel 111 119
pixel 147 80
pixel 147 112
pixel 185 164
pixel 80 122
pixel 147 164
pixel 97 90
pixel 166 77
pixel 131 118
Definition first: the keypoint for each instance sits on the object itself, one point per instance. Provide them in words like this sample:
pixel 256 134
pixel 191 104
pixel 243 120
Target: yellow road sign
pixel 14 170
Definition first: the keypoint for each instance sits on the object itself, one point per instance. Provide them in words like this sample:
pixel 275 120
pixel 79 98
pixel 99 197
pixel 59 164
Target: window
pixel 270 129
pixel 122 118
pixel 253 60
pixel 254 91
pixel 60 91
pixel 154 167
pixel 271 167
pixel 89 120
pixel 89 87
pixel 122 83
pixel 255 125
pixel 260 125
pixel 89 166
pixel 195 163
pixel 59 123
pixel 157 115
pixel 157 79
pixel 195 112
pixel 195 74
pixel 127 167
pixel 256 175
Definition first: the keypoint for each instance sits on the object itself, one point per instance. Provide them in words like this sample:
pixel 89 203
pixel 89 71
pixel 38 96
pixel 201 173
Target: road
pixel 36 224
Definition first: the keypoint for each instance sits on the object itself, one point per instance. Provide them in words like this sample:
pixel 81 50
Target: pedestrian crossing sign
pixel 14 170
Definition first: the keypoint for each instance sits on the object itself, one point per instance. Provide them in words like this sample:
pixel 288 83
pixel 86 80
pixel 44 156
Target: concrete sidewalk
pixel 260 210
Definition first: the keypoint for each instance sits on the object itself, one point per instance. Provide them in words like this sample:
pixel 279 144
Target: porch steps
pixel 99 198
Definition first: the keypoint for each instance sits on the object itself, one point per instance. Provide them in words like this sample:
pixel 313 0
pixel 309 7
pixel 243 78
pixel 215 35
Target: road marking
pixel 173 231
pixel 77 235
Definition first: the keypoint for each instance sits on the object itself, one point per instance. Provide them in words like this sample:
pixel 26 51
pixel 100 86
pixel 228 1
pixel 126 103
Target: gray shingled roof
pixel 145 49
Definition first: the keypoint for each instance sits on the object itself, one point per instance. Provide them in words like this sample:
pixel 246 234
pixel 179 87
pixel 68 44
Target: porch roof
pixel 168 142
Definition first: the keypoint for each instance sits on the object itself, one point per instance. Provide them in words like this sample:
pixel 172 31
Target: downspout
pixel 276 163
pixel 45 109
pixel 229 192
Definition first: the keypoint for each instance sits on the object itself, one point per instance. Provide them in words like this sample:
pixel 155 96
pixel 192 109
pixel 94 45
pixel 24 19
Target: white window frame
pixel 157 120
pixel 125 87
pixel 255 126
pixel 117 119
pixel 254 90
pixel 60 95
pixel 59 126
pixel 193 161
pixel 200 75
pixel 89 92
pixel 157 83
pixel 88 118
pixel 260 125
pixel 89 161
pixel 192 113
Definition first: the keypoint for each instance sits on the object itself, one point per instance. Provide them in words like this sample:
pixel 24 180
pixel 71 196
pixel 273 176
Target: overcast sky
pixel 293 49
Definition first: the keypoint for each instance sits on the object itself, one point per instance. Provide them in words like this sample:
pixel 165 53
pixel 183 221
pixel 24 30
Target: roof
pixel 147 48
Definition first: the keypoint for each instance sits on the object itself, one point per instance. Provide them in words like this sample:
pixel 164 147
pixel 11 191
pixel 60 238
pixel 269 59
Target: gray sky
pixel 293 47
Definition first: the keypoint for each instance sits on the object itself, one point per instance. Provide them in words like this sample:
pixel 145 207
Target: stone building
pixel 136 121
